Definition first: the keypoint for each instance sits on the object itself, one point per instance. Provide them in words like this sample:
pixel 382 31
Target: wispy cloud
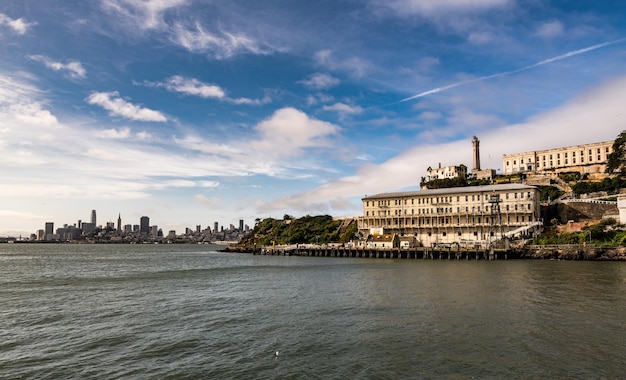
pixel 18 26
pixel 147 14
pixel 431 8
pixel 221 45
pixel 320 81
pixel 541 63
pixel 195 87
pixel 550 29
pixel 343 108
pixel 191 86
pixel 73 68
pixel 355 66
pixel 117 106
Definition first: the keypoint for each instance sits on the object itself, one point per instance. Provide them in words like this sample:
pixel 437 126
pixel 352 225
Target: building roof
pixel 384 238
pixel 451 190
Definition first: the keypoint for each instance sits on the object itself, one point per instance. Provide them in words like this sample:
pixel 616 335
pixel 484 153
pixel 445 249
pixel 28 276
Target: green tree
pixel 616 160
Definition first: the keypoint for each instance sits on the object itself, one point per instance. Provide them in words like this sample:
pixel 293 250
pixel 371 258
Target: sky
pixel 197 111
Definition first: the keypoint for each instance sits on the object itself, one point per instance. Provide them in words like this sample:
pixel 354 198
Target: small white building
pixel 384 241
pixel 449 172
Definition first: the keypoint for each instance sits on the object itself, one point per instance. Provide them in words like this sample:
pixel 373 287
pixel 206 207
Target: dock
pixel 424 253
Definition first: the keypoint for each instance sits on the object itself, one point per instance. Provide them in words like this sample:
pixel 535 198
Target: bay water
pixel 192 312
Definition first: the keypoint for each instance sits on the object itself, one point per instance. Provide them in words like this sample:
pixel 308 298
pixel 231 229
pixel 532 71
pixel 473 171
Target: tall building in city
pixel 119 222
pixel 93 217
pixel 144 225
pixel 240 224
pixel 215 226
pixel 49 228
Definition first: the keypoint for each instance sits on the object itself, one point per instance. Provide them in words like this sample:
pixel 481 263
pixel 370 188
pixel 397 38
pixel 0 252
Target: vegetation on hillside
pixel 320 229
pixel 547 193
pixel 610 185
pixel 607 232
pixel 616 160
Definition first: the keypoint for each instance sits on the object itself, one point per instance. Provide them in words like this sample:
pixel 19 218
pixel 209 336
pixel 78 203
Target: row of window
pixel 450 221
pixel 445 199
pixel 558 157
pixel 446 210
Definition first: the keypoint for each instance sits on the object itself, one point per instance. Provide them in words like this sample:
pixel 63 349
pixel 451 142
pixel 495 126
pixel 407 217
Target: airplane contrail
pixel 544 62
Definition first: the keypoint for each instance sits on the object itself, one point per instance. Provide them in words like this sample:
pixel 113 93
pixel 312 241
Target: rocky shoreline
pixel 573 252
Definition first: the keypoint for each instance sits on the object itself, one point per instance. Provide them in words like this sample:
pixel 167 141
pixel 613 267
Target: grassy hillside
pixel 306 230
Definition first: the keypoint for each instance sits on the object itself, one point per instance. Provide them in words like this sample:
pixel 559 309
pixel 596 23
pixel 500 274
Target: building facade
pixel 585 159
pixel 449 172
pixel 473 214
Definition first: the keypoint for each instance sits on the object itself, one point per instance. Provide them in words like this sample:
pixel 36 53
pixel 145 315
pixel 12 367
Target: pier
pixel 424 253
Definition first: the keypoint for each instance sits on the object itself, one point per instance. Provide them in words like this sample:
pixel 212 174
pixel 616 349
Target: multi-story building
pixel 447 172
pixel 585 159
pixel 454 215
pixel 144 223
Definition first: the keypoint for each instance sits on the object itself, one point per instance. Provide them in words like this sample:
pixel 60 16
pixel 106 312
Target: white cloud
pixel 208 184
pixel 354 66
pixel 32 114
pixel 18 26
pixel 147 14
pixel 550 29
pixel 117 106
pixel 192 86
pixel 252 102
pixel 222 45
pixel 343 108
pixel 319 81
pixel 122 133
pixel 441 7
pixel 289 131
pixel 74 68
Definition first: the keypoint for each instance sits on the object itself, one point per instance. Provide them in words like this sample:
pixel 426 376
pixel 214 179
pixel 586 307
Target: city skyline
pixel 141 227
pixel 193 110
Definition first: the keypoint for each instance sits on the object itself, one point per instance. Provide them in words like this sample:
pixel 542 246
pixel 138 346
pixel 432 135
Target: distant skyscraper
pixel 144 224
pixel 215 225
pixel 240 224
pixel 49 228
pixel 93 217
pixel 119 222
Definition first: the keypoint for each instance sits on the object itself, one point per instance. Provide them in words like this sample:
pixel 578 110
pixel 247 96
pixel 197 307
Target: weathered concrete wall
pixel 585 211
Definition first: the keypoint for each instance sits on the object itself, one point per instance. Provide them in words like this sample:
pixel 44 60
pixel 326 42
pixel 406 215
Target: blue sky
pixel 195 111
